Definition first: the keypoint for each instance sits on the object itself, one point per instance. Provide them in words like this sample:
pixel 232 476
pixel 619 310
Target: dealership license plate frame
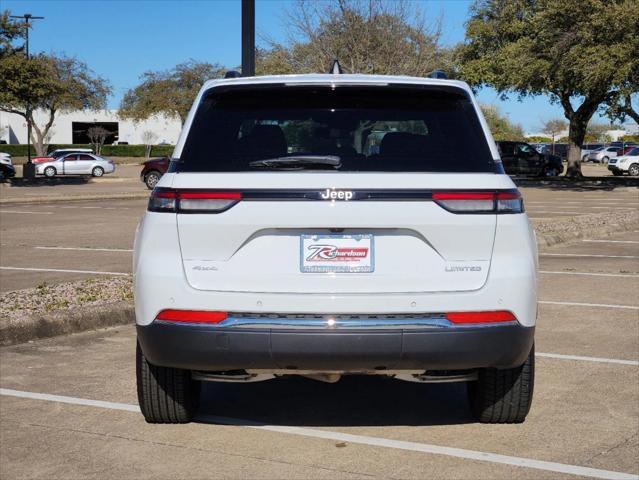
pixel 351 241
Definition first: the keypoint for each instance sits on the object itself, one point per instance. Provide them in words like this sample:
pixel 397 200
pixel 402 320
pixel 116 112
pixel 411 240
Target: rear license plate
pixel 337 253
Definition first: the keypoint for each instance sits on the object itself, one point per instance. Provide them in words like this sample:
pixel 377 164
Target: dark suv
pixel 152 171
pixel 521 158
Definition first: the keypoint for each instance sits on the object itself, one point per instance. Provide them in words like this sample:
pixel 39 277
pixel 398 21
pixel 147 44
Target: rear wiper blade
pixel 299 161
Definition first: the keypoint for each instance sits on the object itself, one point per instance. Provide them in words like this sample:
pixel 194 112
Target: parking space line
pixel 26 212
pixel 578 304
pixel 585 255
pixel 628 275
pixel 354 439
pixel 580 358
pixel 611 241
pixel 88 249
pixel 94 272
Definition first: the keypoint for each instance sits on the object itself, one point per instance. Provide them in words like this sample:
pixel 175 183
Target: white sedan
pixel 628 163
pixel 76 164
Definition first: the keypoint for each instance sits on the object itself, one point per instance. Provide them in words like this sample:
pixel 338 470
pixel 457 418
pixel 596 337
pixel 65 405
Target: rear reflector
pixel 185 201
pixel 481 317
pixel 191 316
pixel 506 201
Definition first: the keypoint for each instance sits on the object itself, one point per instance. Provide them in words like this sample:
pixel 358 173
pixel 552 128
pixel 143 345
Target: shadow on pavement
pixel 48 182
pixel 353 401
pixel 584 184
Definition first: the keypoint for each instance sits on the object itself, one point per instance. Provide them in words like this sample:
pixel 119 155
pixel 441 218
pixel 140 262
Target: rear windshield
pixel 359 129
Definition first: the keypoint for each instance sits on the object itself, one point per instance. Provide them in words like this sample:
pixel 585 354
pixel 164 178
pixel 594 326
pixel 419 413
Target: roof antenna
pixel 336 68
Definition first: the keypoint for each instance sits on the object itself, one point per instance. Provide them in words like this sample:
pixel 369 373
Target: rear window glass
pixel 392 129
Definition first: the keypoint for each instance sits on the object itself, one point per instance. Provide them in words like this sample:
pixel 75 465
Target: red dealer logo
pixel 331 253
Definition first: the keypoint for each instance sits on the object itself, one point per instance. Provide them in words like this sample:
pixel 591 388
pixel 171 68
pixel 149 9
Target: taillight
pixel 498 316
pixel 506 201
pixel 191 201
pixel 191 316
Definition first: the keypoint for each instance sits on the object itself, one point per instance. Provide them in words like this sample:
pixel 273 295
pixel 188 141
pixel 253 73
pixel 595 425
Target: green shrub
pixel 107 150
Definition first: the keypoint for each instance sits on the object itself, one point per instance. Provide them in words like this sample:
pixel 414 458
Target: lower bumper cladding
pixel 337 342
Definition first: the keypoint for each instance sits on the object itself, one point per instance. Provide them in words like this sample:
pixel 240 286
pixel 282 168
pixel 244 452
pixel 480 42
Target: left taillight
pixel 191 201
pixel 191 316
pixel 505 201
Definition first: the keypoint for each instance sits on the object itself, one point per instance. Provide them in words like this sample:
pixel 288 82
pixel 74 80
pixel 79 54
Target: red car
pixel 152 171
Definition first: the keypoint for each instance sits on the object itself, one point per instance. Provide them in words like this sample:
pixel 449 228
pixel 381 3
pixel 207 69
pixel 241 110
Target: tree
pixel 170 92
pixel 367 36
pixel 52 84
pixel 97 135
pixel 149 138
pixel 598 132
pixel 582 53
pixel 554 127
pixel 9 32
pixel 500 126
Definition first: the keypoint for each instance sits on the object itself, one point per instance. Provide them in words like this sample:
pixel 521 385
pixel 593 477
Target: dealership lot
pixel 584 421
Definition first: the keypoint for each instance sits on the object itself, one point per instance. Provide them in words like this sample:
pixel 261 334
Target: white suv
pixel 324 225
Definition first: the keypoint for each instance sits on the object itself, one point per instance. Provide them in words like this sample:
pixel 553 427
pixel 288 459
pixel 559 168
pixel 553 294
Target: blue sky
pixel 120 39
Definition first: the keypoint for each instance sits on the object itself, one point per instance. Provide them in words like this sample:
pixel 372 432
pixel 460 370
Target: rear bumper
pixel 209 348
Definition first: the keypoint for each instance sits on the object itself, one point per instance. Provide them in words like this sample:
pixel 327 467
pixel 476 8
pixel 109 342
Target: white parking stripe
pixel 577 304
pixel 26 212
pixel 90 249
pixel 95 272
pixel 587 359
pixel 585 255
pixel 611 241
pixel 354 439
pixel 591 274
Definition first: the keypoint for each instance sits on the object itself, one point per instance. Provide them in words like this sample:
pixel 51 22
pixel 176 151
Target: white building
pixel 69 128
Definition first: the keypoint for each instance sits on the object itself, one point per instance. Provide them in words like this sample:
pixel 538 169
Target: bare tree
pixel 553 128
pixel 149 138
pixel 97 136
pixel 367 36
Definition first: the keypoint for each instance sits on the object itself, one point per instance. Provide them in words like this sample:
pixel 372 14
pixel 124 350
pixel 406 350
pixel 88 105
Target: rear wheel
pixel 633 170
pixel 49 172
pixel 604 160
pixel 151 179
pixel 97 171
pixel 503 396
pixel 165 395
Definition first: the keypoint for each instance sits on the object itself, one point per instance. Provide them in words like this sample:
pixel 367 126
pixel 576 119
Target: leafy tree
pixel 10 31
pixel 598 132
pixel 170 92
pixel 538 139
pixel 583 53
pixel 500 126
pixel 49 83
pixel 367 36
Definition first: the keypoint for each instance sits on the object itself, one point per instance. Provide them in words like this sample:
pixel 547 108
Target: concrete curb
pixel 72 198
pixel 64 322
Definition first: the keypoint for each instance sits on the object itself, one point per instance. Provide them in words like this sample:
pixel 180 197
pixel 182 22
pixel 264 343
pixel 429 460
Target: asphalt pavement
pixel 68 406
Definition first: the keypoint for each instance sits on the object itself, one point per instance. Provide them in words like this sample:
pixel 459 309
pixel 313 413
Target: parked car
pixel 520 158
pixel 58 153
pixel 627 163
pixel 588 148
pixel 626 150
pixel 603 154
pixel 7 170
pixel 76 164
pixel 415 261
pixel 153 170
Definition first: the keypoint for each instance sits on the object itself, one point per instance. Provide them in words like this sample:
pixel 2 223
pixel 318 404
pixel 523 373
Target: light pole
pixel 248 38
pixel 28 170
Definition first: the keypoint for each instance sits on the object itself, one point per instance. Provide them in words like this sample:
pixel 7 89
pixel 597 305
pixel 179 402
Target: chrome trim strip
pixel 332 323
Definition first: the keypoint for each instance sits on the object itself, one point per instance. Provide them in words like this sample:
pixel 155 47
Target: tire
pixel 97 171
pixel 551 172
pixel 50 172
pixel 633 170
pixel 584 159
pixel 503 396
pixel 165 395
pixel 152 178
pixel 604 160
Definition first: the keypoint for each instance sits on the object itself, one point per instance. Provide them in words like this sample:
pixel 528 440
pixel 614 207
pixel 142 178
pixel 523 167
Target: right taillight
pixel 191 201
pixel 505 201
